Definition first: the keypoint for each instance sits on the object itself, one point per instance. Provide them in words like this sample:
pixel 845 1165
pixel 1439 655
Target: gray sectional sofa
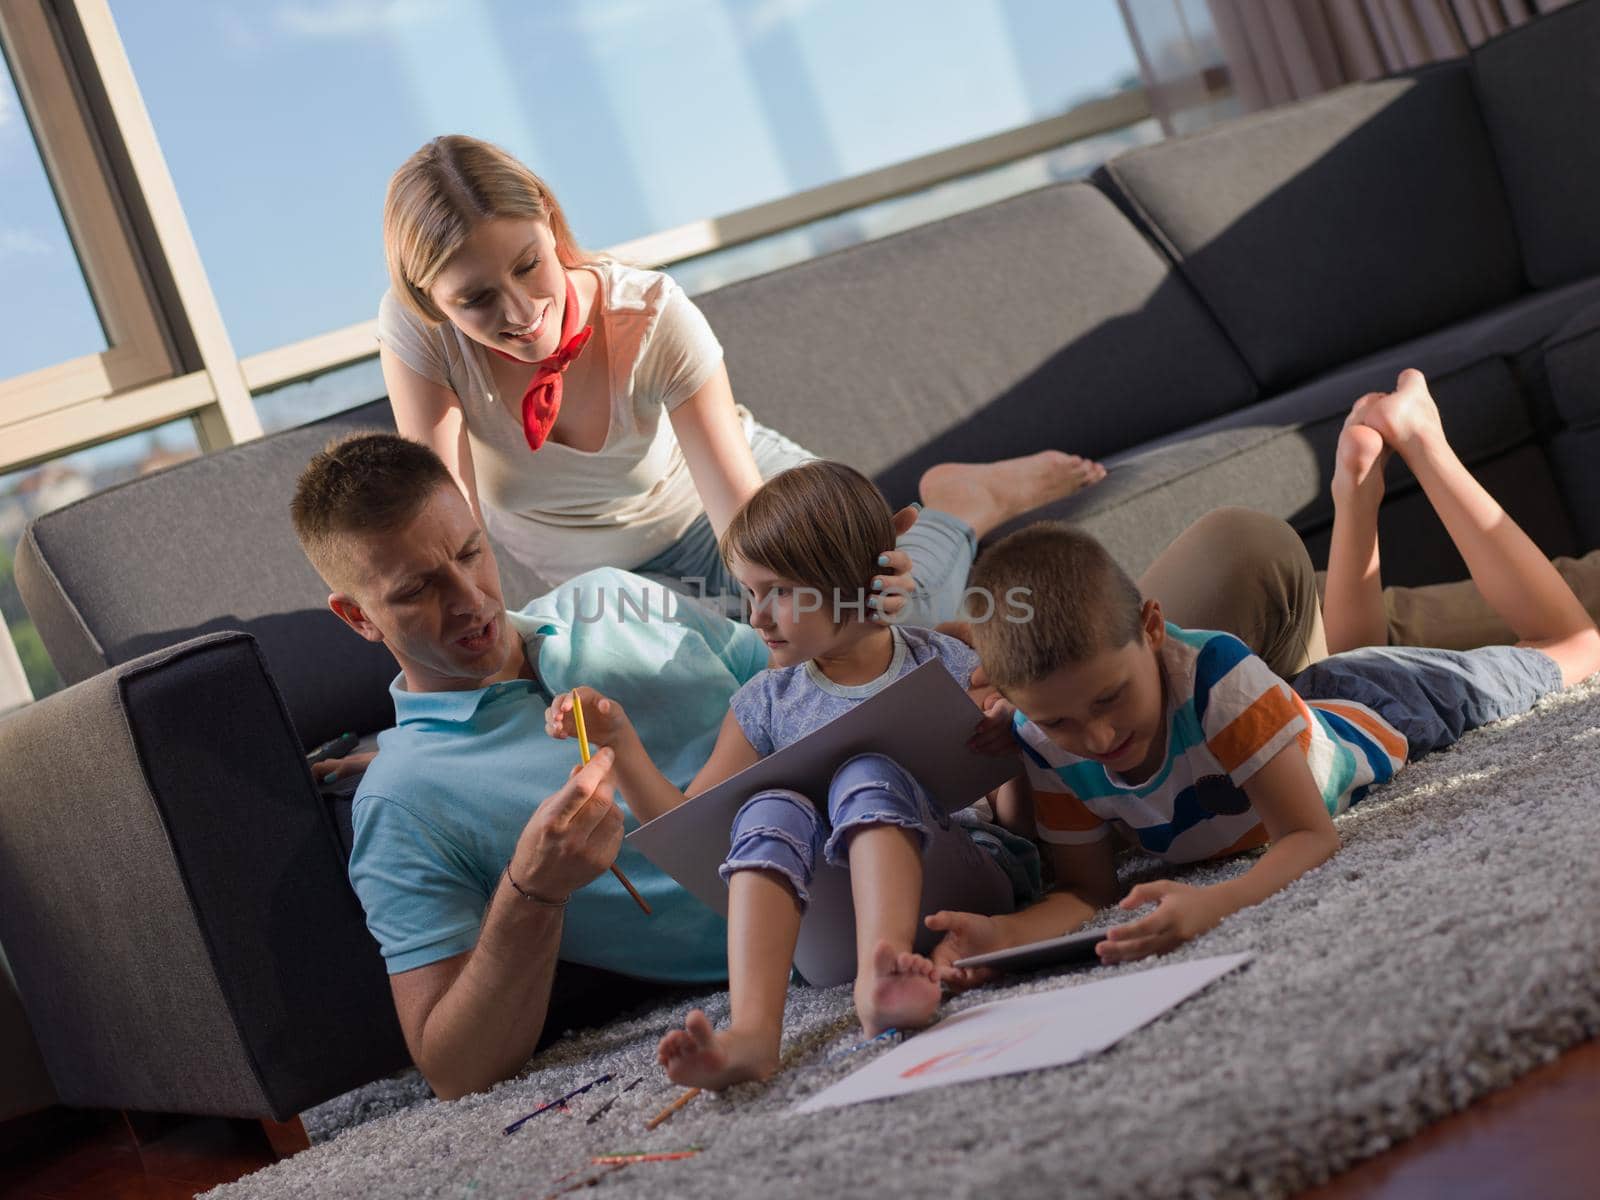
pixel 1201 315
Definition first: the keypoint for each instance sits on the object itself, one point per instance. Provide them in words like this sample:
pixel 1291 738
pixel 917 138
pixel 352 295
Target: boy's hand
pixel 965 934
pixel 993 735
pixel 603 718
pixel 1182 912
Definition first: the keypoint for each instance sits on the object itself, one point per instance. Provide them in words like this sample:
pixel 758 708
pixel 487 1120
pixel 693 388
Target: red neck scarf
pixel 541 403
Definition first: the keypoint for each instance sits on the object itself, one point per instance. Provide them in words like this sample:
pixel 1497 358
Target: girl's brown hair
pixel 437 197
pixel 821 525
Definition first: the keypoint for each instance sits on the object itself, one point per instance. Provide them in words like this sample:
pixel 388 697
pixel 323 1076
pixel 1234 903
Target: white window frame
pixel 141 379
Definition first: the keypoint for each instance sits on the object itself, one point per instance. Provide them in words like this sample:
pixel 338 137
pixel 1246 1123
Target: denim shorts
pixel 783 832
pixel 1432 697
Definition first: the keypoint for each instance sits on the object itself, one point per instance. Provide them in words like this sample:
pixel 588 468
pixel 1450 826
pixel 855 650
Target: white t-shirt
pixel 564 511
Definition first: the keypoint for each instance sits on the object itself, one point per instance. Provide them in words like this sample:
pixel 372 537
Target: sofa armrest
pixel 25 1083
pixel 173 898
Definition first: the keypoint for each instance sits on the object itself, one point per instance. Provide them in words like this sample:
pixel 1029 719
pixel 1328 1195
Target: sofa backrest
pixel 207 546
pixel 1539 86
pixel 1329 229
pixel 1043 320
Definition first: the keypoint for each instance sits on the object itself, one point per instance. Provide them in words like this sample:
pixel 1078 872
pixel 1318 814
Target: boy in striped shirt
pixel 1186 742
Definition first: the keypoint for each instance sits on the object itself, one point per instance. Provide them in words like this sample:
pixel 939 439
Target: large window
pixel 191 192
pixel 643 115
pixel 27 494
pixel 45 305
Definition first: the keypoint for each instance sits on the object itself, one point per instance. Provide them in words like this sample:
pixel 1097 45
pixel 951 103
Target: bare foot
pixel 988 494
pixel 898 991
pixel 698 1056
pixel 1406 417
pixel 1359 461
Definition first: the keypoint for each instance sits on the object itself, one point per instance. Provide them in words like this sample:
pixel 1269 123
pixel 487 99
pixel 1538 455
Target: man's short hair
pixel 1083 603
pixel 821 525
pixel 361 483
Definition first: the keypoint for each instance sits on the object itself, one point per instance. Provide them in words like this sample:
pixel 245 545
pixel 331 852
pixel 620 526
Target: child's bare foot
pixel 898 991
pixel 698 1056
pixel 1359 461
pixel 1406 417
pixel 985 495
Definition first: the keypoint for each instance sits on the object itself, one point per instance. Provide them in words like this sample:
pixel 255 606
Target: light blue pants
pixel 782 832
pixel 941 548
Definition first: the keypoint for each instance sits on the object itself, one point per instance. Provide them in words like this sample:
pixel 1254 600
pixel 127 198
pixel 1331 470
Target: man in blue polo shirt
pixel 480 854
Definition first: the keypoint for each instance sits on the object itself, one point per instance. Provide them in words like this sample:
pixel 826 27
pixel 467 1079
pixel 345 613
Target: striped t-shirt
pixel 1227 716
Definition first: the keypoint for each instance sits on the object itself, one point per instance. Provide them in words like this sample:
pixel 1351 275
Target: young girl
pixel 804 549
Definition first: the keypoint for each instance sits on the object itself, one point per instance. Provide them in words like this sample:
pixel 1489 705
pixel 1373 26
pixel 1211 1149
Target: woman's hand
pixel 1182 912
pixel 965 934
pixel 331 770
pixel 603 718
pixel 892 588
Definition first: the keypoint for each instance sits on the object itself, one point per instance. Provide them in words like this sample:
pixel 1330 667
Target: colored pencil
pixel 583 753
pixel 606 1107
pixel 672 1108
pixel 556 1103
pixel 603 1160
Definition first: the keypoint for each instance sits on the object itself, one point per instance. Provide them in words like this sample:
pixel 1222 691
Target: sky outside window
pixel 45 307
pixel 282 122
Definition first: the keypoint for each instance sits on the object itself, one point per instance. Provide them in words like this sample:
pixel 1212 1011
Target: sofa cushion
pixel 1572 365
pixel 1573 454
pixel 1539 87
pixel 1043 320
pixel 207 546
pixel 1322 231
pixel 1277 457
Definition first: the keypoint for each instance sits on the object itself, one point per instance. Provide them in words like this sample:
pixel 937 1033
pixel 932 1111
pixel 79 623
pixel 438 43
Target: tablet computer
pixel 1052 952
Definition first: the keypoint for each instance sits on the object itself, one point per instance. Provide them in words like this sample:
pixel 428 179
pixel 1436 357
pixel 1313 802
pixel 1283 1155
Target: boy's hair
pixel 821 525
pixel 1083 603
pixel 361 483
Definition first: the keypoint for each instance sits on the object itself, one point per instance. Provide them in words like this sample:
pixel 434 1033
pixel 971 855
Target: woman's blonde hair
pixel 440 194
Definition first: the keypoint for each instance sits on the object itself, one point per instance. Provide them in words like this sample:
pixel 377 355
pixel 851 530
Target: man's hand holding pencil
pixel 572 837
pixel 605 728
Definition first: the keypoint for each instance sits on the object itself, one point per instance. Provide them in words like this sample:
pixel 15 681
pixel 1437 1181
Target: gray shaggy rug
pixel 1449 948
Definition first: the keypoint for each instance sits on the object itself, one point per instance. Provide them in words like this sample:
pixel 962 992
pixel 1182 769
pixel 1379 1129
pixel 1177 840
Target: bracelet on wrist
pixel 529 896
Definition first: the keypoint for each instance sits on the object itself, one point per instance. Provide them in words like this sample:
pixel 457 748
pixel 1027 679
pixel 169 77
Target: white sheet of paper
pixel 1042 1029
pixel 922 721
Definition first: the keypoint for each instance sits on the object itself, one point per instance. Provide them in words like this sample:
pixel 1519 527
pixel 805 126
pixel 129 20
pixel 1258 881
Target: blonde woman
pixel 584 408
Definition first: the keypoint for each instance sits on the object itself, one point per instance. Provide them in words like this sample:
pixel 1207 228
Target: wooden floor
pixel 66 1154
pixel 1539 1138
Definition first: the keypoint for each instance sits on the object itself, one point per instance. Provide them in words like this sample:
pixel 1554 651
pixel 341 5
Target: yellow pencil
pixel 583 752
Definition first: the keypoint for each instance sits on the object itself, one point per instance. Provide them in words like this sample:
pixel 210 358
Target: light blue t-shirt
pixel 440 810
pixel 779 707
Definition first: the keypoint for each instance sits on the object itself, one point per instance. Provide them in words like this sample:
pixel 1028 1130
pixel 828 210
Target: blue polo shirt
pixel 439 812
